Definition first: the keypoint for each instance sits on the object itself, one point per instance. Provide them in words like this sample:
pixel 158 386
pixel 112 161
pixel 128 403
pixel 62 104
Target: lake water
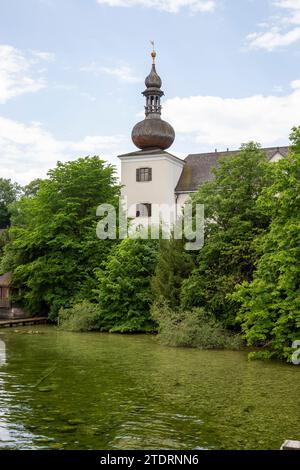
pixel 65 390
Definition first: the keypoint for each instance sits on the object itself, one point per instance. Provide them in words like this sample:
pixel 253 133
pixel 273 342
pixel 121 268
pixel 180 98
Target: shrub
pixel 83 316
pixel 192 328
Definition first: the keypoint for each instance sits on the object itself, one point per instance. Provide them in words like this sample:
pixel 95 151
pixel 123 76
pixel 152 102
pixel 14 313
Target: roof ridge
pixel 275 147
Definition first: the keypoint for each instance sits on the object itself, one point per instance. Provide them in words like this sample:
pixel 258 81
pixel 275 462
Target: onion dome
pixel 153 80
pixel 153 132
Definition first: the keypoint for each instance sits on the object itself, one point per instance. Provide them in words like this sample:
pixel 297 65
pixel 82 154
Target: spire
pixel 153 91
pixel 153 132
pixel 153 53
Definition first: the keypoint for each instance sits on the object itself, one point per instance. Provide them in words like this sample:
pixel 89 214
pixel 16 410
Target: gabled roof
pixel 5 279
pixel 198 167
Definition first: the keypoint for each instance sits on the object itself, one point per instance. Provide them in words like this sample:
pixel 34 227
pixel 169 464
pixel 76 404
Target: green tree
pixel 31 189
pixel 54 250
pixel 232 222
pixel 9 192
pixel 173 266
pixel 3 242
pixel 124 287
pixel 270 304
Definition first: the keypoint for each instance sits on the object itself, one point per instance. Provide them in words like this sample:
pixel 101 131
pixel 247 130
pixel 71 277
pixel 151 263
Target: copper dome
pixel 153 133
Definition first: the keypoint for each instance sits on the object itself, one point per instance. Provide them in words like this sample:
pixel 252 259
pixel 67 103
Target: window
pixel 144 174
pixel 143 210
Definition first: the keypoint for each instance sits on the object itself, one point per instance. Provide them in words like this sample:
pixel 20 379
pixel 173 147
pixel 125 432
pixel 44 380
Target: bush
pixel 83 316
pixel 194 329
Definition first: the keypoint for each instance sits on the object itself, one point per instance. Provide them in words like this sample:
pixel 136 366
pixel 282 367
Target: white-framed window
pixel 144 174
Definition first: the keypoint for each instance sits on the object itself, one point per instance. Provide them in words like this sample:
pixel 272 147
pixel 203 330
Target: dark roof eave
pixel 151 152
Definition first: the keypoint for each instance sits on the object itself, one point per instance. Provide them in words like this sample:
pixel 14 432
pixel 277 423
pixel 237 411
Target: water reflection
pixel 12 434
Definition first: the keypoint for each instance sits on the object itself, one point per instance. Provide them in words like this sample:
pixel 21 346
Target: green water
pixel 101 391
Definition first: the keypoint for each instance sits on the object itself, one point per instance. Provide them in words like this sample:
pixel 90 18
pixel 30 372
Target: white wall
pixel 166 171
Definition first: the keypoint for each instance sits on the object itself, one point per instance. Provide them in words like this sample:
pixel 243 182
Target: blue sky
pixel 72 71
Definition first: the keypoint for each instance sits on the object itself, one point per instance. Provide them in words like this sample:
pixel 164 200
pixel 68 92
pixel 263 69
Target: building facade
pixel 153 177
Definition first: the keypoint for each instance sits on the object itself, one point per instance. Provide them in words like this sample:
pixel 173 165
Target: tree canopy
pixel 232 222
pixel 270 304
pixel 54 250
pixel 9 192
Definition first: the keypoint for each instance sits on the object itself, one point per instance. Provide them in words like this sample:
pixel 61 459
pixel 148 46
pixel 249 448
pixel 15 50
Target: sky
pixel 72 73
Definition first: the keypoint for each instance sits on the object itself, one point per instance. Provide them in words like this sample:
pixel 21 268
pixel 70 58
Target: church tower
pixel 149 176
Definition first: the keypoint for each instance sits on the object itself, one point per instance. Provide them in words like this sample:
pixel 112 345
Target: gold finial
pixel 153 53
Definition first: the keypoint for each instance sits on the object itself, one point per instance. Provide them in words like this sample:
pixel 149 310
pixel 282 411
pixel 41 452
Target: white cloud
pixel 278 89
pixel 274 38
pixel 88 96
pixel 18 74
pixel 282 30
pixel 171 6
pixel 221 122
pixel 123 72
pixel 46 56
pixel 29 151
pixel 295 84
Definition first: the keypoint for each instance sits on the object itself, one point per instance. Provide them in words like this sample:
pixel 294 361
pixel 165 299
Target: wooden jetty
pixel 23 321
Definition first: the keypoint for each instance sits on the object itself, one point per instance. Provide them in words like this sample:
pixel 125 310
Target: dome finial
pixel 153 53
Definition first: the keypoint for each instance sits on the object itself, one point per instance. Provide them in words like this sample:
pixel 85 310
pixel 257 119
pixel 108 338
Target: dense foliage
pixel 124 287
pixel 232 222
pixel 54 250
pixel 9 192
pixel 173 266
pixel 270 304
